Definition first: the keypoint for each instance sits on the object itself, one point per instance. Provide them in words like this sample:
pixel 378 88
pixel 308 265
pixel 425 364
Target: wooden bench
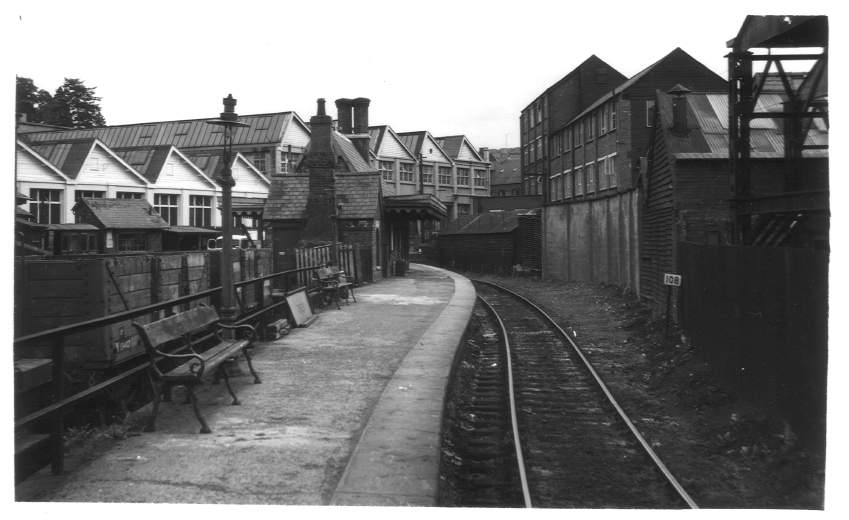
pixel 333 283
pixel 186 329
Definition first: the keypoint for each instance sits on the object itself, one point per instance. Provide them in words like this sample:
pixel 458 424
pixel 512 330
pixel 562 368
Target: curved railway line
pixel 577 447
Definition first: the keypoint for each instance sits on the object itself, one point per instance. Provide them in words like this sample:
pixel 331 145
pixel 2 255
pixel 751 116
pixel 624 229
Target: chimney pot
pixel 360 114
pixel 321 111
pixel 343 110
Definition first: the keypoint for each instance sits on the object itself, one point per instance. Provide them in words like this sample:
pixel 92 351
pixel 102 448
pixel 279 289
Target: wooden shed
pixel 126 225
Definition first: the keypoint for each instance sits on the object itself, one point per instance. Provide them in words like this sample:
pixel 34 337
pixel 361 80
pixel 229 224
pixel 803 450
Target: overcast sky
pixel 450 67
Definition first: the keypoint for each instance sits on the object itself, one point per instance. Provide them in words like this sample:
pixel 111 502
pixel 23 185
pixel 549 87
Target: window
pixel 259 162
pixel 132 242
pixel 601 168
pixel 579 133
pixel 613 115
pixel 46 205
pixel 427 173
pixel 567 138
pixel 605 117
pixel 650 112
pixel 88 194
pixel 167 206
pixel 590 172
pixel 406 171
pixel 610 171
pixel 554 187
pixel 480 177
pixel 200 211
pixel 464 209
pixel 579 181
pixel 462 176
pixel 289 161
pixel 567 184
pixel 387 170
pixel 444 175
pixel 538 149
pixel 78 242
pixel 129 195
pixel 588 129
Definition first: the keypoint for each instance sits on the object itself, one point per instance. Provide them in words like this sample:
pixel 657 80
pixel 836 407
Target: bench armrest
pixel 251 330
pixel 193 366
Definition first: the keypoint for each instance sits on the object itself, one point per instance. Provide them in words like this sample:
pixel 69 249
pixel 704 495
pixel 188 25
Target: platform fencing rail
pixel 285 282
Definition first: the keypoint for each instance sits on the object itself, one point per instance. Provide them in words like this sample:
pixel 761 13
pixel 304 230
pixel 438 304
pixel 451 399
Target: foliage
pixel 73 105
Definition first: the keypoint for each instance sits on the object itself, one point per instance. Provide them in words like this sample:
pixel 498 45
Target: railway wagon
pixel 51 293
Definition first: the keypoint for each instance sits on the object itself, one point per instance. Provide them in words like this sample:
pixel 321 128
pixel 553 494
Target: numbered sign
pixel 672 279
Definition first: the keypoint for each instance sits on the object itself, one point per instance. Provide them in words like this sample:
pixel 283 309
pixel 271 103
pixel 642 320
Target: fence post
pixel 57 451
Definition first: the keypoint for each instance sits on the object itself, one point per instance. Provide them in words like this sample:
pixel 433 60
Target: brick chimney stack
pixel 360 136
pixel 344 111
pixel 320 161
pixel 360 115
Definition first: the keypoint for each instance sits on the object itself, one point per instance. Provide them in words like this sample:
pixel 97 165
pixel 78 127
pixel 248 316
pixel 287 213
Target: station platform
pixel 348 413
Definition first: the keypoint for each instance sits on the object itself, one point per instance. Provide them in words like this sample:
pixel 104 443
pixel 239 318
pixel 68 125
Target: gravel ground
pixel 724 452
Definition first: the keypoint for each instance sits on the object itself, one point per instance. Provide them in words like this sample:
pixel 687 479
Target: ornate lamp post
pixel 228 120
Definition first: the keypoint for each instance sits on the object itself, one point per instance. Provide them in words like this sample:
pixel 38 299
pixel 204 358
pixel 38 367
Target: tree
pixel 30 98
pixel 72 105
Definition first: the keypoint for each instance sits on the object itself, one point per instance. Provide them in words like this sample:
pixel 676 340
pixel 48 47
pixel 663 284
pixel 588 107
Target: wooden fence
pixel 760 318
pixel 352 259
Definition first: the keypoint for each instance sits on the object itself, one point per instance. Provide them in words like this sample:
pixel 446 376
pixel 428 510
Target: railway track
pixel 578 448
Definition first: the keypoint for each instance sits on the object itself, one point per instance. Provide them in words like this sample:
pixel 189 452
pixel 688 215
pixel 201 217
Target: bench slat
pixel 212 358
pixel 175 327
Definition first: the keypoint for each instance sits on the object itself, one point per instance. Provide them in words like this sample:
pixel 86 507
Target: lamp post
pixel 228 120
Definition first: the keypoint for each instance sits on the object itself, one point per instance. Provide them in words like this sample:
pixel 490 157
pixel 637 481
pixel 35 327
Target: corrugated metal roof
pixel 375 134
pixel 67 157
pixel 124 213
pixel 188 133
pixel 149 162
pixel 412 140
pixel 451 144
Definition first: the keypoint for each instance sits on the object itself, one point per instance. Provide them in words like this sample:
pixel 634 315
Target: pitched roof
pixel 147 161
pixel 413 140
pixel 287 197
pixel 124 213
pixel 378 133
pixel 707 124
pixel 359 195
pixel 593 61
pixel 453 144
pixel 346 150
pixel 186 133
pixel 490 222
pixel 67 157
pixel 633 80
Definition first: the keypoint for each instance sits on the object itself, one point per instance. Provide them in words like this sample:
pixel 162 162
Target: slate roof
pixel 489 223
pixel 707 122
pixel 359 195
pixel 124 213
pixel 287 197
pixel 346 150
pixel 263 129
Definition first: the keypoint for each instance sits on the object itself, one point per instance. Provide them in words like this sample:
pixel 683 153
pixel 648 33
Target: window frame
pixel 444 175
pixel 52 207
pixel 463 176
pixel 175 207
pixel 204 210
pixel 406 174
pixel 381 167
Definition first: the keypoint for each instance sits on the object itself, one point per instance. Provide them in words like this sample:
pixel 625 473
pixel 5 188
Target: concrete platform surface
pixel 348 412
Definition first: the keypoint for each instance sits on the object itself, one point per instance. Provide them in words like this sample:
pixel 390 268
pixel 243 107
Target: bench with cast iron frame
pixel 333 284
pixel 188 329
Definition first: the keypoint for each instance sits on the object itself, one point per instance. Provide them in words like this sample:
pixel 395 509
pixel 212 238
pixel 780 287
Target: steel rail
pixel 520 459
pixel 648 449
